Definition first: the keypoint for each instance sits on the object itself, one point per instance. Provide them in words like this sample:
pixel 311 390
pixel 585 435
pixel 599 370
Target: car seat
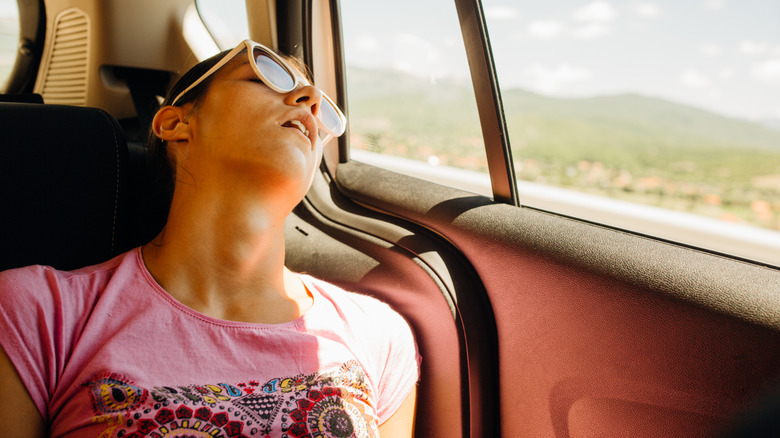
pixel 63 186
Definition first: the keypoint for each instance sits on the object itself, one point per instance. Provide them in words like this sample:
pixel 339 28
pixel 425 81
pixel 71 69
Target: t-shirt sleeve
pixel 401 369
pixel 31 329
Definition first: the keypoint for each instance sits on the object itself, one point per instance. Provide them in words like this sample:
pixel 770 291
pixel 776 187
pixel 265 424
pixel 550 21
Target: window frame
pixel 486 90
pixel 32 33
pixel 489 103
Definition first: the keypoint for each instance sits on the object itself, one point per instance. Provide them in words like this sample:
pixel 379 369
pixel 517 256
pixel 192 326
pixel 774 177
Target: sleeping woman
pixel 203 332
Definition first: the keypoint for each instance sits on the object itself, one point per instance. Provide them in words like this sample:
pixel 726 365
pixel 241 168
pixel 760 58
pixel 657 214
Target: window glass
pixel 660 103
pixel 411 104
pixel 9 39
pixel 225 20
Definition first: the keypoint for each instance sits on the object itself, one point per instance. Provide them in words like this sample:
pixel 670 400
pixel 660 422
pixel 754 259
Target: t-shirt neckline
pixel 177 305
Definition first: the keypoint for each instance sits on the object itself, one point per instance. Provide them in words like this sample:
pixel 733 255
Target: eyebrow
pixel 240 63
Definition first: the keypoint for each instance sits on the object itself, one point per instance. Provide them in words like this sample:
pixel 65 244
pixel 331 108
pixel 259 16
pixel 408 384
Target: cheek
pixel 235 132
pixel 232 108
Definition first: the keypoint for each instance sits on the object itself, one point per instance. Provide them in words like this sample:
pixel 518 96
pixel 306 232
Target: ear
pixel 169 124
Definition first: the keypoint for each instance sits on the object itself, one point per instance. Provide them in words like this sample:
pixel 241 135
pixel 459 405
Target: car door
pixel 530 322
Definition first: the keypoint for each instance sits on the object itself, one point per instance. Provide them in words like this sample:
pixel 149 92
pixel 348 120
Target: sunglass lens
pixel 330 118
pixel 274 72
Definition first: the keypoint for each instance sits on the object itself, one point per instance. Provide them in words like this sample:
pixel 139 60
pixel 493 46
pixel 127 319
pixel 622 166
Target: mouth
pixel 299 125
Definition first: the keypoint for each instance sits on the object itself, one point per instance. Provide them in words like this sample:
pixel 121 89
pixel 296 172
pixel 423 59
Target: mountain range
pixel 627 131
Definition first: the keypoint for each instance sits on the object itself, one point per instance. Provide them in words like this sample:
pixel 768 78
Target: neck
pixel 225 258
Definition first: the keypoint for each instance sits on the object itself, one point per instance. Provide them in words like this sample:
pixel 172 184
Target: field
pixel 629 146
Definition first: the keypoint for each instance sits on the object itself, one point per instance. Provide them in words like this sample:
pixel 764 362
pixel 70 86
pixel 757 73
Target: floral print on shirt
pixel 335 403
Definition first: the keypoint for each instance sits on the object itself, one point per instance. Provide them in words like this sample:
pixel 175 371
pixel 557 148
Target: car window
pixel 657 116
pixel 225 20
pixel 411 103
pixel 9 39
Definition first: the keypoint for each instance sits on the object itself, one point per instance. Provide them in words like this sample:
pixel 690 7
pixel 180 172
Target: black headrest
pixel 63 178
pixel 23 98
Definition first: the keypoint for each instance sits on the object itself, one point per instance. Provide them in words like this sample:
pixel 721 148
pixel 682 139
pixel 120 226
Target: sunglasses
pixel 277 74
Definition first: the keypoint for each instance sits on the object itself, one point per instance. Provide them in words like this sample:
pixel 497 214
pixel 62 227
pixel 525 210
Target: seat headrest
pixel 22 98
pixel 63 174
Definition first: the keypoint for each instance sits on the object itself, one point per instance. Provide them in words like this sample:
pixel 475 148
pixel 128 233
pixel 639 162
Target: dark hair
pixel 156 148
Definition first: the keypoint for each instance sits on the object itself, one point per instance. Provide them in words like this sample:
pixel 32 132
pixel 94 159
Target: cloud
pixel 554 80
pixel 415 55
pixel 753 47
pixel 592 30
pixel 725 73
pixel 711 50
pixel 545 28
pixel 366 43
pixel 597 17
pixel 714 5
pixel 649 10
pixel 694 79
pixel 767 71
pixel 501 13
pixel 599 11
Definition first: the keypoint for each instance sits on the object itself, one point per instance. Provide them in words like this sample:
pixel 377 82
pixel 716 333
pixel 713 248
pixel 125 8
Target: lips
pixel 305 123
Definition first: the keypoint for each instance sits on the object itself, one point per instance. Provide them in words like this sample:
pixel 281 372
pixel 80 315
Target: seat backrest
pixel 63 179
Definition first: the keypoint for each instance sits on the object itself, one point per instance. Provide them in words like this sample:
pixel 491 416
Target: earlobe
pixel 169 124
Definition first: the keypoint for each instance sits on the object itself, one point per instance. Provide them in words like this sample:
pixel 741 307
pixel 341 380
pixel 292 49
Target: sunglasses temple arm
pixel 230 55
pixel 327 138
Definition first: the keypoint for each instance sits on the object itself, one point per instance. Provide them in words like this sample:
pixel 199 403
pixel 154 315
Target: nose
pixel 308 95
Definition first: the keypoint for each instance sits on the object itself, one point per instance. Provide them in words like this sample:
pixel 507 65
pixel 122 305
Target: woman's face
pixel 242 129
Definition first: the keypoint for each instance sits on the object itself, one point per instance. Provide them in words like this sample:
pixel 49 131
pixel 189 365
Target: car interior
pixel 529 322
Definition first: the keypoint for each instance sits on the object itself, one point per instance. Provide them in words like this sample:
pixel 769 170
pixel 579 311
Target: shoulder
pixel 387 345
pixel 40 284
pixel 354 304
pixel 372 323
pixel 43 312
pixel 42 271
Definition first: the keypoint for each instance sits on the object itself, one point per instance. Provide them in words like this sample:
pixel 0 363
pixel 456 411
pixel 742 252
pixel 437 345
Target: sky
pixel 721 55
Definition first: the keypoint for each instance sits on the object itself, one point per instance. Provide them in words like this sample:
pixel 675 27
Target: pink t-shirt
pixel 105 351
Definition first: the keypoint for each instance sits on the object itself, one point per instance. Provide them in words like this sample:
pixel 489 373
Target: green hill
pixel 638 134
pixel 647 119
